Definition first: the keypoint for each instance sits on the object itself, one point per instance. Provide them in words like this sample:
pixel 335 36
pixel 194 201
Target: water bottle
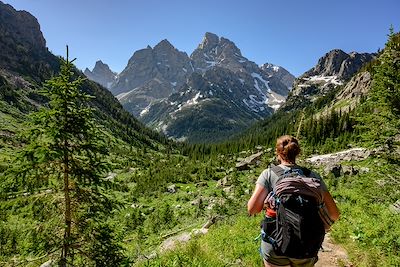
pixel 268 224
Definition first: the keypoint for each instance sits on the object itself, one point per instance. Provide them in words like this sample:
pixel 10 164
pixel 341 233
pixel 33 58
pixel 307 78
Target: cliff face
pixel 22 46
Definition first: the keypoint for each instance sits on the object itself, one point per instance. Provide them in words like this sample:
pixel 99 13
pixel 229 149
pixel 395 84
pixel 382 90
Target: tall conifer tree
pixel 65 146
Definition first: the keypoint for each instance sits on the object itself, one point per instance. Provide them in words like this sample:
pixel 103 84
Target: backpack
pixel 298 230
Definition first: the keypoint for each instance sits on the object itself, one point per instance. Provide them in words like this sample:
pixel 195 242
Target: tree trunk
pixel 67 215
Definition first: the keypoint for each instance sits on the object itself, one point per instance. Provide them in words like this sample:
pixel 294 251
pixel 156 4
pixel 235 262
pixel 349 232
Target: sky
pixel 290 33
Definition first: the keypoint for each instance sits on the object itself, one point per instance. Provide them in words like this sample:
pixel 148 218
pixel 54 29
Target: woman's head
pixel 287 147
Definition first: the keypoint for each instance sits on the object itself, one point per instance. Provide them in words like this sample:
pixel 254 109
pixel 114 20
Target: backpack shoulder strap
pixel 306 171
pixel 279 171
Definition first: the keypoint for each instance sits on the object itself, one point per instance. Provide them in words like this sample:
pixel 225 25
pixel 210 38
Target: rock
pixel 227 189
pixel 111 176
pixel 48 263
pixel 335 169
pixel 202 231
pixel 135 205
pixel 335 158
pixel 171 189
pixel 349 170
pixel 395 208
pixel 250 160
pixel 364 170
pixel 196 202
pixel 172 242
pixel 224 182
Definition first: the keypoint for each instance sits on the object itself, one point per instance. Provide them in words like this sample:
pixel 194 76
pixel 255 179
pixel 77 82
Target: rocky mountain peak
pixel 329 64
pixel 280 73
pixel 210 40
pixel 339 64
pixel 216 51
pixel 22 26
pixel 101 74
pixel 164 45
pixel 100 66
pixel 334 69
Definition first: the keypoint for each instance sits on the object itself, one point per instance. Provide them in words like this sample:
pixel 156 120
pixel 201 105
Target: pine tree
pixel 380 115
pixel 65 146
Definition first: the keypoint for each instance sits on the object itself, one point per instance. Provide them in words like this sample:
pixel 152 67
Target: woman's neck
pixel 287 163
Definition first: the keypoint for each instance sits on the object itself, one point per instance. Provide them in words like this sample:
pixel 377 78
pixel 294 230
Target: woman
pixel 287 149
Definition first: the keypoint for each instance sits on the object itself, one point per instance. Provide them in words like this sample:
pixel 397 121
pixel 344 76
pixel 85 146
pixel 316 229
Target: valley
pixel 84 181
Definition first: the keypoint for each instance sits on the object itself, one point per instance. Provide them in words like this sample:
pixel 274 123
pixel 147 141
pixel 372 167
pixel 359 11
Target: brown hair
pixel 288 148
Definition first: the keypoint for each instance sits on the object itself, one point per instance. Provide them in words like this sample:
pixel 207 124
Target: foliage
pixel 65 149
pixel 382 106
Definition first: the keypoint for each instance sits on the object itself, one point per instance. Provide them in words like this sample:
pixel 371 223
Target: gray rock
pixel 349 170
pixel 395 208
pixel 226 181
pixel 111 176
pixel 172 189
pixel 251 160
pixel 49 263
pixel 335 169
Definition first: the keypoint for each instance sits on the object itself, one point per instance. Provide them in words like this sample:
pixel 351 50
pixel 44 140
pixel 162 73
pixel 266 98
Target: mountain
pixel 22 45
pixel 215 91
pixel 151 74
pixel 209 107
pixel 101 74
pixel 25 63
pixel 279 73
pixel 333 70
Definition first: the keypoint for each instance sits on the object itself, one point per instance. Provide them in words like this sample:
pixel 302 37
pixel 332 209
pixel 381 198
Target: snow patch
pixel 145 110
pixel 122 95
pixel 173 84
pixel 326 79
pixel 210 92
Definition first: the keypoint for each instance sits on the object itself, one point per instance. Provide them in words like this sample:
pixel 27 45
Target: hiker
pixel 287 148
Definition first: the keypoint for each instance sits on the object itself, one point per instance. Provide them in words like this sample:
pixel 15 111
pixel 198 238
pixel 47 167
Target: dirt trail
pixel 332 255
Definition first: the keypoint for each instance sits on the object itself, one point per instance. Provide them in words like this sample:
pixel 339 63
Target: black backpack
pixel 298 231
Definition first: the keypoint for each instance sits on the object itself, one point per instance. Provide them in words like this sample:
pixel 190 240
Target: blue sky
pixel 292 33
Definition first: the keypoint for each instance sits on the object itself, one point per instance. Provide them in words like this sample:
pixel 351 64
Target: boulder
pixel 395 208
pixel 250 160
pixel 171 189
pixel 335 169
pixel 224 182
pixel 349 170
pixel 48 263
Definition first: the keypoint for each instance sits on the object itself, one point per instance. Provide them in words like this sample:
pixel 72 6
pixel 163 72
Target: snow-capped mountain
pixel 165 88
pixel 152 74
pixel 226 91
pixel 211 106
pixel 332 70
pixel 280 73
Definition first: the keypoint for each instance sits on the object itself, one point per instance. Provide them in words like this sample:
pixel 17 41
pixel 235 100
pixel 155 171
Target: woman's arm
pixel 331 206
pixel 256 202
